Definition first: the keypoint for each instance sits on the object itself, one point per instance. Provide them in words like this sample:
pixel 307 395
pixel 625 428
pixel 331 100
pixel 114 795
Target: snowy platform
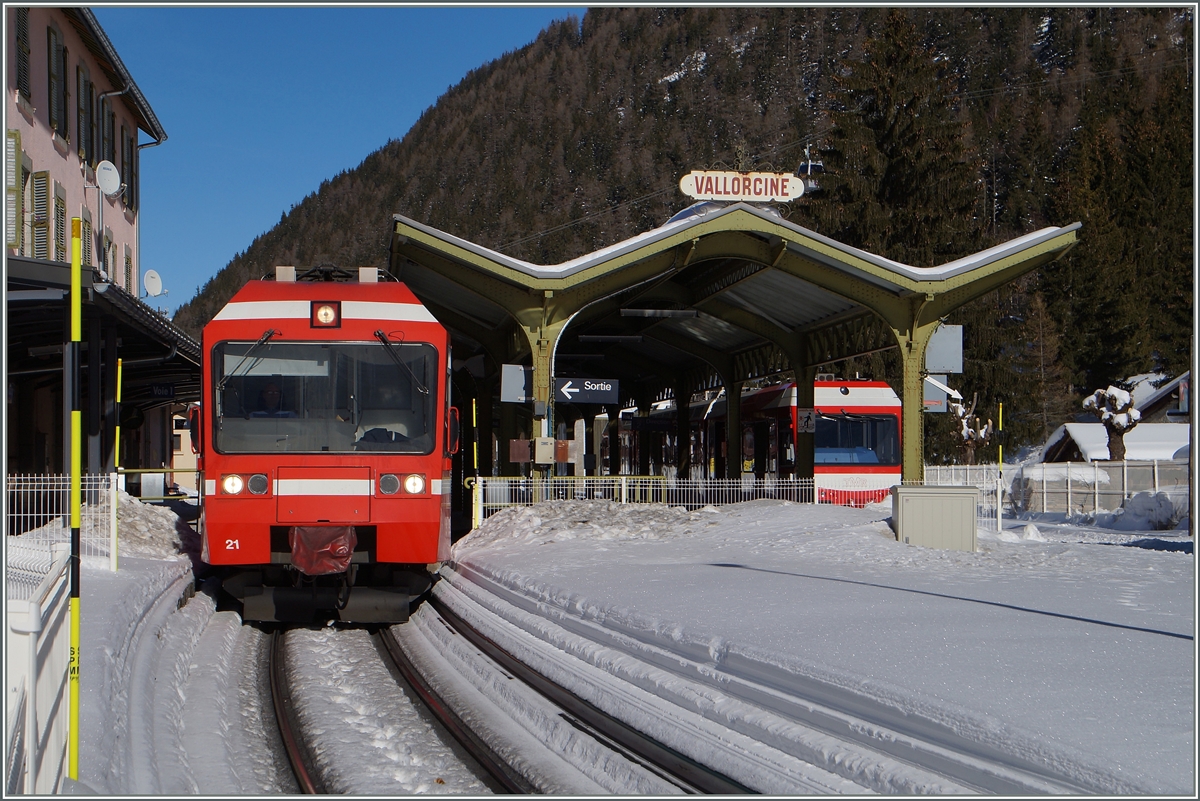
pixel 1061 648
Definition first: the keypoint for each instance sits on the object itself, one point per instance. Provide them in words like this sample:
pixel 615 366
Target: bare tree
pixel 971 437
pixel 1114 408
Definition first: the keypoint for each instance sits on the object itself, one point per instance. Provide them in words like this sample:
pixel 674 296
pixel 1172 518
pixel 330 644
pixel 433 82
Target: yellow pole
pixel 117 457
pixel 1000 435
pixel 475 437
pixel 76 463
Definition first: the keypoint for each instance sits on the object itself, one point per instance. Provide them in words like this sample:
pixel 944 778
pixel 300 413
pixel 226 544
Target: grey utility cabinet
pixel 935 517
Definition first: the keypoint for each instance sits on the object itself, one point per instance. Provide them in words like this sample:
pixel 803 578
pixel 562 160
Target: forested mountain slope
pixel 942 131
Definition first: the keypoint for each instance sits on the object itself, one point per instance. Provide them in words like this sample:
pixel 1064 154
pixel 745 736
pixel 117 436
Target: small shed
pixel 1088 442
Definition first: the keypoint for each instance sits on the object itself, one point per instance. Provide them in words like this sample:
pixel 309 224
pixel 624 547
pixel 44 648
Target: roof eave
pixel 97 41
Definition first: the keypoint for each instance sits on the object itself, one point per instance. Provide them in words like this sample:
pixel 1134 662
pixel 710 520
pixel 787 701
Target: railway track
pixel 298 754
pixel 774 725
pixel 662 768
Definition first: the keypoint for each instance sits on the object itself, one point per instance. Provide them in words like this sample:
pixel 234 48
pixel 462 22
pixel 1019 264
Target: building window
pixel 93 143
pixel 14 203
pixel 60 224
pixel 84 91
pixel 105 252
pixel 86 245
pixel 23 53
pixel 107 118
pixel 41 215
pixel 26 200
pixel 127 164
pixel 59 94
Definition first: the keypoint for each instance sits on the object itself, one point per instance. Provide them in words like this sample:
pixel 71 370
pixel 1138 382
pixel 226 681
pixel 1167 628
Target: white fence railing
pixel 1096 487
pixel 1070 488
pixel 38 507
pixel 37 654
pixel 491 494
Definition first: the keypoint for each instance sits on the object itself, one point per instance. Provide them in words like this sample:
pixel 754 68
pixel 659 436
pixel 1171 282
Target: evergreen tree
pixel 897 178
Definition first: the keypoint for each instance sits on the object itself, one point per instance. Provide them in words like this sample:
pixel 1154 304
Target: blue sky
pixel 261 104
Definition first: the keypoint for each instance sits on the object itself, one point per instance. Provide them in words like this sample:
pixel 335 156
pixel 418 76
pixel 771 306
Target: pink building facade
pixel 71 104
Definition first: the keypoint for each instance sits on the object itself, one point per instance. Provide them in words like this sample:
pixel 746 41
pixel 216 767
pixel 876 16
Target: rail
pixel 510 780
pixel 297 751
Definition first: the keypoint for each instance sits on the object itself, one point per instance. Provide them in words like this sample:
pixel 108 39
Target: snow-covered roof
pixel 705 213
pixel 1144 441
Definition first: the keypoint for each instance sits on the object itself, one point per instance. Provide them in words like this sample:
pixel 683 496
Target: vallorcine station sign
pixel 748 187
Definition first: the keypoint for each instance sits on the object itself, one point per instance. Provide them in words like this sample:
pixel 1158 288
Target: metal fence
pixel 1096 487
pixel 38 507
pixel 491 494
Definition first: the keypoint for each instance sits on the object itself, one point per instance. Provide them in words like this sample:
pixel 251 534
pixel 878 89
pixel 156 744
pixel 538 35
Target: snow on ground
pixel 341 676
pixel 1066 652
pixel 1061 643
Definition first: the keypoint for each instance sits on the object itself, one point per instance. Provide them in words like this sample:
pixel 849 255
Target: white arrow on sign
pixel 568 390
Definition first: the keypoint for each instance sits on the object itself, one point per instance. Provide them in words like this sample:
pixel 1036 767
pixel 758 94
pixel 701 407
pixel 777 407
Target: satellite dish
pixel 152 283
pixel 108 178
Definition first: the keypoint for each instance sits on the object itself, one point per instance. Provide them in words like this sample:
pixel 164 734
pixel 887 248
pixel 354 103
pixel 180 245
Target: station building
pixel 73 111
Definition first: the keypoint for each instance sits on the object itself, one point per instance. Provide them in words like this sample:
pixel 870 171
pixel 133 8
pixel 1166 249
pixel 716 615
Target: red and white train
pixel 857 439
pixel 325 439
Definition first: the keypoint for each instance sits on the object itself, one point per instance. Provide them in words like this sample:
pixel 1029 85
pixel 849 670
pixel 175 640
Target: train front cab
pixel 326 446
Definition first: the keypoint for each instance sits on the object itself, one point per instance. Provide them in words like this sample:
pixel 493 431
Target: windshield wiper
pixel 270 332
pixel 382 337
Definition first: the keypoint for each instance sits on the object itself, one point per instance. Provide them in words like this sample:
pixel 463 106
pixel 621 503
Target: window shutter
pixel 106 124
pixel 126 162
pixel 14 222
pixel 64 117
pixel 93 141
pixel 87 242
pixel 41 215
pixel 53 57
pixel 60 229
pixel 23 53
pixel 129 275
pixel 81 83
pixel 131 194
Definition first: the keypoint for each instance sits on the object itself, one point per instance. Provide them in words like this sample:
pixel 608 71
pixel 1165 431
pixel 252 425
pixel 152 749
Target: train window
pixel 335 397
pixel 857 439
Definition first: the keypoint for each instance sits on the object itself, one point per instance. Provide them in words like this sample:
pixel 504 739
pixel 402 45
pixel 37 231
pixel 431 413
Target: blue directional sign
pixel 586 390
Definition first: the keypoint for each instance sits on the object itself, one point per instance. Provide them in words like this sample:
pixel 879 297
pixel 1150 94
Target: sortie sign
pixel 587 390
pixel 752 187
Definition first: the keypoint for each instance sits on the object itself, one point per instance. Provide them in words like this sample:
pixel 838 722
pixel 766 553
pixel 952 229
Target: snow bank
pixel 1020 647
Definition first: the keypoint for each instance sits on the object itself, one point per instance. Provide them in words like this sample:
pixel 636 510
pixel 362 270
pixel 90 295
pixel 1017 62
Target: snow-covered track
pixel 772 722
pixel 688 774
pixel 553 749
pixel 297 752
pixel 510 780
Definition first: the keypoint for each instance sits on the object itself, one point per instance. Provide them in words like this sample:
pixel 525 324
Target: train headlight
pixel 414 484
pixel 389 484
pixel 257 484
pixel 232 485
pixel 326 314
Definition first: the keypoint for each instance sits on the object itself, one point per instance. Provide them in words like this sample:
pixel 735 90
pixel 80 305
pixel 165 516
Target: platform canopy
pixel 719 295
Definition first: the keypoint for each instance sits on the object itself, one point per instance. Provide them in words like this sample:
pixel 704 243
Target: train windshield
pixel 857 439
pixel 324 397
